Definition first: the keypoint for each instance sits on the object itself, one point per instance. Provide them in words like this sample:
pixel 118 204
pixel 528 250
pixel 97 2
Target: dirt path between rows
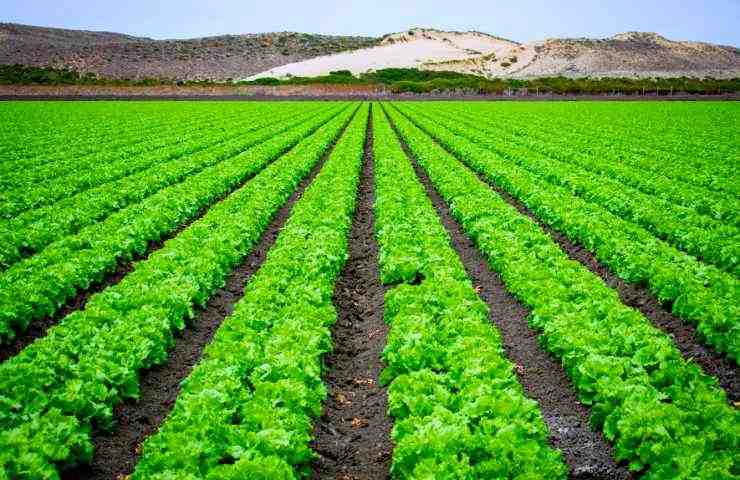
pixel 586 452
pixel 38 328
pixel 117 452
pixel 352 437
pixel 683 334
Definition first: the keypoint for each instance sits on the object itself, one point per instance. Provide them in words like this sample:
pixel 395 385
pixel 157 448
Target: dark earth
pixel 352 437
pixel 586 452
pixel 117 452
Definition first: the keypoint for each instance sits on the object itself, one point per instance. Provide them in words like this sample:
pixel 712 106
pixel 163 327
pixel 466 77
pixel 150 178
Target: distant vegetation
pixel 408 80
pixel 411 80
pixel 25 75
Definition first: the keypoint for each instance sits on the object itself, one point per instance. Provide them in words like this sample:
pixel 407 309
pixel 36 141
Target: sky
pixel 712 21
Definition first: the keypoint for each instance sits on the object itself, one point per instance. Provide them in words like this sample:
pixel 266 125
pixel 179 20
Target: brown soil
pixel 117 452
pixel 352 437
pixel 586 452
pixel 683 334
pixel 38 328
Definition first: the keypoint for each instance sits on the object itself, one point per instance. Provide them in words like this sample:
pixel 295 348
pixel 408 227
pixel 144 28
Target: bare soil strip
pixel 683 334
pixel 38 328
pixel 117 452
pixel 352 437
pixel 586 452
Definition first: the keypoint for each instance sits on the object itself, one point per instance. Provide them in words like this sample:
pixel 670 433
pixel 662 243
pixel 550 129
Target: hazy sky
pixel 714 21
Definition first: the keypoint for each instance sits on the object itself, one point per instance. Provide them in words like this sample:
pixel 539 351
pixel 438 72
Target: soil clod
pixel 587 453
pixel 352 437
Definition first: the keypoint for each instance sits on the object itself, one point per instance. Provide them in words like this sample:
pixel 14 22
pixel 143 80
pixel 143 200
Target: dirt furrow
pixel 683 334
pixel 39 327
pixel 586 452
pixel 117 452
pixel 352 437
pixel 639 297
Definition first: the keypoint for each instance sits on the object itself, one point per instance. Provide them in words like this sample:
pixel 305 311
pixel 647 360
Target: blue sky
pixel 713 21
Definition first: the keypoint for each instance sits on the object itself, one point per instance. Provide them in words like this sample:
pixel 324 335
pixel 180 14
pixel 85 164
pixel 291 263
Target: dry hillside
pixel 282 54
pixel 114 55
pixel 632 54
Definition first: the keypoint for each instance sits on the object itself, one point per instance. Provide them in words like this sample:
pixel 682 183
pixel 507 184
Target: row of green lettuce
pixel 710 240
pixel 701 185
pixel 246 409
pixel 38 286
pixel 31 231
pixel 663 414
pixel 698 139
pixel 62 179
pixel 459 410
pixel 61 387
pixel 44 132
pixel 699 293
pixel 72 132
pixel 62 159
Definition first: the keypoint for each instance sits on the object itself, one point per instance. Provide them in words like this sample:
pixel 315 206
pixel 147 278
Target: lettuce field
pixel 368 290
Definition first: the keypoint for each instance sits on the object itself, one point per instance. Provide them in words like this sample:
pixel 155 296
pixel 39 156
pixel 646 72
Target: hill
pixel 114 55
pixel 633 54
pixel 287 54
pixel 415 48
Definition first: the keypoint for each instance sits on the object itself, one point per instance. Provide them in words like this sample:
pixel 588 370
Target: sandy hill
pixel 632 54
pixel 114 55
pixel 414 48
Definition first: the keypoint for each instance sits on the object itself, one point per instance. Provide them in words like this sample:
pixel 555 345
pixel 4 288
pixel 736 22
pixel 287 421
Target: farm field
pixel 362 290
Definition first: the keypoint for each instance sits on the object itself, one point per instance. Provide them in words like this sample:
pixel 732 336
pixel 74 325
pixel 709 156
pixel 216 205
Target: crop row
pixel 33 230
pixel 41 127
pixel 63 385
pixel 75 175
pixel 605 159
pixel 700 293
pixel 700 135
pixel 148 139
pixel 100 169
pixel 654 146
pixel 87 135
pixel 665 416
pixel 78 173
pixel 708 239
pixel 246 409
pixel 37 286
pixel 114 130
pixel 459 410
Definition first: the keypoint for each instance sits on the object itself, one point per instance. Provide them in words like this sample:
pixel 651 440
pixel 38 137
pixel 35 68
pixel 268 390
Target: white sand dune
pixel 412 48
pixel 631 54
